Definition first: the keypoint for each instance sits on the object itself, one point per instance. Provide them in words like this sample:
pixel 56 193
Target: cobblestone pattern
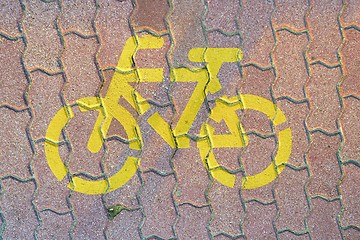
pixel 302 55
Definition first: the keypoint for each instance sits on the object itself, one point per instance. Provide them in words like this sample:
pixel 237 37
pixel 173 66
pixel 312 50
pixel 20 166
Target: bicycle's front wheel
pixel 59 169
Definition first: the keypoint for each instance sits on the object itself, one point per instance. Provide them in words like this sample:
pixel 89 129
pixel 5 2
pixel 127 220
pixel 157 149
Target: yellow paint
pixel 206 80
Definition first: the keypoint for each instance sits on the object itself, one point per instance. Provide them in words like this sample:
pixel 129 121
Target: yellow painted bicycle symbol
pixel 207 82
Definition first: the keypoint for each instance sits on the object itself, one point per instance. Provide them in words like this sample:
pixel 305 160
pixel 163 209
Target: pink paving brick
pixel 54 226
pixel 222 16
pixel 290 14
pixel 90 215
pixel 290 65
pixel 258 222
pixel 125 225
pixel 324 98
pixel 16 152
pixel 228 212
pixel 113 27
pixel 255 28
pixel 351 194
pixel 188 214
pixel 150 15
pixel 51 193
pixel 45 101
pixel 44 46
pixel 323 165
pixel 291 236
pixel 351 14
pixel 351 234
pixel 159 210
pixel 13 83
pixel 80 69
pixel 349 119
pixel 322 221
pixel 351 59
pixel 17 209
pixel 291 200
pixel 325 36
pixel 11 14
pixel 78 16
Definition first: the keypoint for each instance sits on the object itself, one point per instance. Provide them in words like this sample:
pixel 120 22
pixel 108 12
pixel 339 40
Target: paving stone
pixel 323 165
pixel 348 120
pixel 152 16
pixel 16 153
pixel 78 16
pixel 159 209
pixel 45 101
pixel 350 193
pixel 44 45
pixel 17 209
pixel 324 99
pixel 322 221
pixel 90 216
pixel 187 31
pixel 290 14
pixel 13 82
pixel 325 37
pixel 351 60
pixel 113 28
pixel 290 236
pixel 188 214
pixel 223 237
pixel 256 32
pixel 350 15
pixel 228 212
pixel 80 69
pixel 351 233
pixel 258 222
pixel 222 16
pixel 125 225
pixel 51 193
pixel 291 200
pixel 54 226
pixel 11 14
pixel 290 65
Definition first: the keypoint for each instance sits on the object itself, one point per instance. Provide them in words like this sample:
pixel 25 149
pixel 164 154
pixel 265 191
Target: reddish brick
pixel 54 226
pixel 351 195
pixel 351 13
pixel 150 15
pixel 290 14
pixel 17 209
pixel 126 225
pixel 322 219
pixel 80 68
pixel 44 96
pixel 290 236
pixel 44 46
pixel 351 60
pixel 290 65
pixel 16 152
pixel 324 99
pixel 228 211
pixel 51 193
pixel 291 200
pixel 90 216
pixel 113 27
pixel 187 32
pixel 323 165
pixel 78 16
pixel 11 13
pixel 222 16
pixel 256 32
pixel 324 31
pixel 159 209
pixel 12 79
pixel 259 219
pixel 223 237
pixel 349 123
pixel 188 215
pixel 351 234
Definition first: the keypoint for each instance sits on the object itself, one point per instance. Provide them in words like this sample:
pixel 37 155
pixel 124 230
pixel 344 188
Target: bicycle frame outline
pixel 206 80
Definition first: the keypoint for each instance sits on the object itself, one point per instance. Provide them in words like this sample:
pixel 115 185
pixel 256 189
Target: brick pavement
pixel 301 55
